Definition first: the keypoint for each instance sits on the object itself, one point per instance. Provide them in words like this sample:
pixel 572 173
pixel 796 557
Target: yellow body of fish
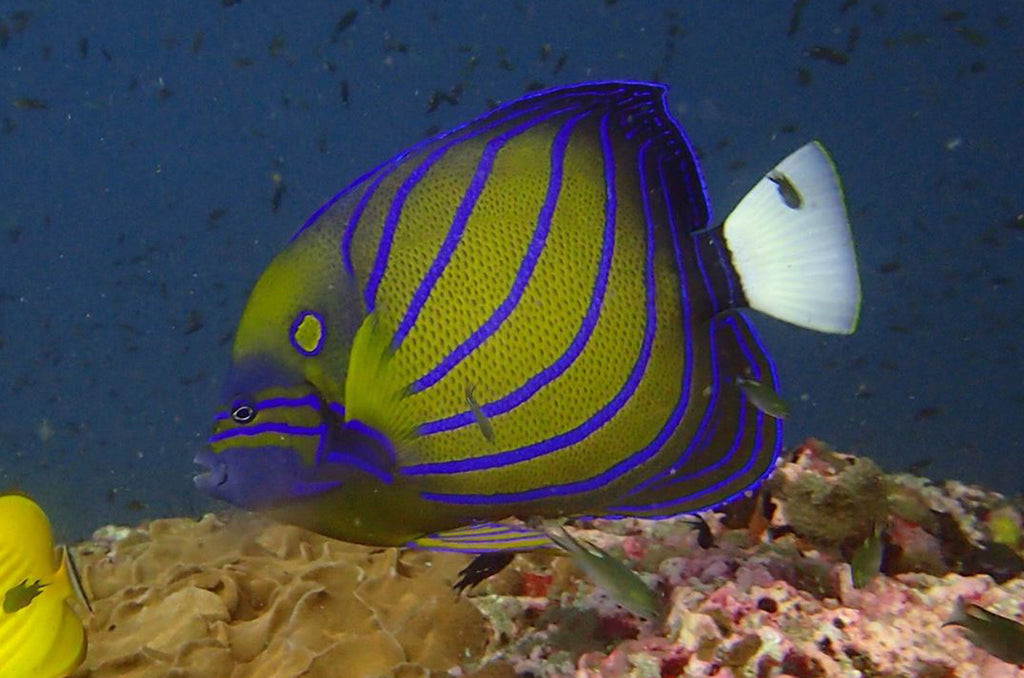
pixel 556 254
pixel 41 636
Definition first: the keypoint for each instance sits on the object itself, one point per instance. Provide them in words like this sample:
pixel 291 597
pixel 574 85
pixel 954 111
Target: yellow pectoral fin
pixel 373 393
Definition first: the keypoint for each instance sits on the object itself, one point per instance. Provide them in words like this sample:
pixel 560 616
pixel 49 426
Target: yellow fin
pixel 41 636
pixel 373 393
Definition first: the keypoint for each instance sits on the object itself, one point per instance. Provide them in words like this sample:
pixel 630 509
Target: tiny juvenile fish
pixel 21 594
pixel 1000 636
pixel 30 104
pixel 561 250
pixel 866 562
pixel 481 419
pixel 609 573
pixel 764 398
pixel 787 190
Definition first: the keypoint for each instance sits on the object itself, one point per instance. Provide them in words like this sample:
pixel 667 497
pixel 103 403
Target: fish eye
pixel 243 412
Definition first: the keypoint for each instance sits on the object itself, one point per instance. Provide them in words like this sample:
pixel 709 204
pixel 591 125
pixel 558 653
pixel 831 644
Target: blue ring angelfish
pixel 556 256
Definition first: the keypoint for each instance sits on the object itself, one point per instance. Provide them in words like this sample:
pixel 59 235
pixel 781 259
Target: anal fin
pixel 485 538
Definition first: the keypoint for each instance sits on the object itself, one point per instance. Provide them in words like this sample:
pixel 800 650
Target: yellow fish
pixel 560 254
pixel 41 636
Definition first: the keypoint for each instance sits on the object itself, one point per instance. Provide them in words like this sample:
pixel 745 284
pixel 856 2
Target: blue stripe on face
pixel 579 433
pixel 458 227
pixel 579 342
pixel 374 434
pixel 526 267
pixel 335 457
pixel 268 403
pixel 269 427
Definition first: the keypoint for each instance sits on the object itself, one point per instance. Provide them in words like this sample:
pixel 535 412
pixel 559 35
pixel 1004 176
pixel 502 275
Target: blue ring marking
pixel 583 334
pixel 320 341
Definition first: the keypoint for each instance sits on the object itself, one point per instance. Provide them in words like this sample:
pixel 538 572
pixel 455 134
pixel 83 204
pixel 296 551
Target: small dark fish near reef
pixel 1000 636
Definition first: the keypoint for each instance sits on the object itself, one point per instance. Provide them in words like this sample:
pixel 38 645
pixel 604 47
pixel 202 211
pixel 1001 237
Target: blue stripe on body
pixel 705 433
pixel 683 405
pixel 526 267
pixel 583 334
pixel 357 214
pixel 761 420
pixel 475 129
pixel 716 308
pixel 588 427
pixel 389 167
pixel 458 227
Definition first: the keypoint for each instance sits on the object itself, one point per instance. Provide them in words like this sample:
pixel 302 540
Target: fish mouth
pixel 215 474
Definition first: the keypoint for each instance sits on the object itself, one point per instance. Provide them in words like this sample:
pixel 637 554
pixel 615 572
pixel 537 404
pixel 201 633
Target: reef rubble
pixel 771 595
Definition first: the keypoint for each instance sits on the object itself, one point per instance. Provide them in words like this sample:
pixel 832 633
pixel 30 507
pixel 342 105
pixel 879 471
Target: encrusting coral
pixel 769 593
pixel 244 599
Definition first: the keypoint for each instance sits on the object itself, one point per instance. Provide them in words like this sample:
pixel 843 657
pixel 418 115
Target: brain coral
pixel 244 598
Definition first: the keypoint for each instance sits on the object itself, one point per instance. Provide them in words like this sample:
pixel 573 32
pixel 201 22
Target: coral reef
pixel 771 594
pixel 244 598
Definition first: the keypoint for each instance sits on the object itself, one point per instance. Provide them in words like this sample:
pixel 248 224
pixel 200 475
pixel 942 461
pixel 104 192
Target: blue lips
pixel 257 477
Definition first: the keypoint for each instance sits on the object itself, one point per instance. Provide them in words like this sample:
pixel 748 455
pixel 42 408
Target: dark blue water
pixel 137 207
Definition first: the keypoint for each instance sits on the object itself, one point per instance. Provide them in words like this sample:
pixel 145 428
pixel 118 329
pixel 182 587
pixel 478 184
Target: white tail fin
pixel 792 247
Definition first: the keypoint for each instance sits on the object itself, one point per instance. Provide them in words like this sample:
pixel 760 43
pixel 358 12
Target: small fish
pixel 866 562
pixel 610 574
pixel 344 23
pixel 41 636
pixel 787 191
pixel 705 538
pixel 560 250
pixel 481 419
pixel 764 398
pixel 30 104
pixel 795 16
pixel 1000 636
pixel 829 54
pixel 21 595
